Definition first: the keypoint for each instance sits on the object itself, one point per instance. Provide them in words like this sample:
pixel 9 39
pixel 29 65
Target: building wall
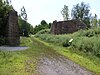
pixel 64 27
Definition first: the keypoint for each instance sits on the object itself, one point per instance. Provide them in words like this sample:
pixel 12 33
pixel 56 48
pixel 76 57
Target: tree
pixel 4 9
pixel 64 12
pixel 50 25
pixel 26 25
pixel 43 25
pixel 24 16
pixel 99 23
pixel 43 22
pixel 94 22
pixel 8 1
pixel 80 11
pixel 23 13
pixel 87 21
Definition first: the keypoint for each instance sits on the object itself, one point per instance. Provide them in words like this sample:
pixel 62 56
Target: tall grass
pixel 85 40
pixel 44 31
pixel 84 49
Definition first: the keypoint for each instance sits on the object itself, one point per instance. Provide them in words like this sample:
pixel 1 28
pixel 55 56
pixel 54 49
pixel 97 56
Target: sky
pixel 50 10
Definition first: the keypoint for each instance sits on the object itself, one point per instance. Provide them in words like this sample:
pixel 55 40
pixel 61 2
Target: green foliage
pixel 94 22
pixel 65 13
pixel 99 23
pixel 25 41
pixel 87 21
pixel 21 62
pixel 4 9
pixel 90 62
pixel 81 12
pixel 16 62
pixel 43 25
pixel 25 28
pixel 57 39
pixel 85 40
pixel 87 44
pixel 87 33
pixel 43 22
pixel 44 31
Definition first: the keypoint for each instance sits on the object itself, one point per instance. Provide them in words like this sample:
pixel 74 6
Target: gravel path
pixel 5 48
pixel 60 66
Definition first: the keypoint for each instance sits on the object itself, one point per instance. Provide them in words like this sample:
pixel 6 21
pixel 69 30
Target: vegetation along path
pixel 52 63
pixel 39 59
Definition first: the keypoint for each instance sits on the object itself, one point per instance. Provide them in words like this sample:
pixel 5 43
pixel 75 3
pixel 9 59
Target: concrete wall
pixel 12 29
pixel 64 27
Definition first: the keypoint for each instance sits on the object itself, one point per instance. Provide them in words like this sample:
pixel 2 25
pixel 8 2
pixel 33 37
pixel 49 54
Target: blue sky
pixel 50 10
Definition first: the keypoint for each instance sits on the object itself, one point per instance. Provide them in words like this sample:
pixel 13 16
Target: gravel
pixel 61 66
pixel 6 48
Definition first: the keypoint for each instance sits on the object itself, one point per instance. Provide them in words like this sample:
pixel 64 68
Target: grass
pixel 20 62
pixel 84 49
pixel 25 62
pixel 87 41
pixel 92 63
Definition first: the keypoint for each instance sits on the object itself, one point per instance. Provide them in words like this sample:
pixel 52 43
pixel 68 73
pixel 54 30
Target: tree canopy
pixel 25 25
pixel 43 25
pixel 80 11
pixel 65 13
pixel 4 9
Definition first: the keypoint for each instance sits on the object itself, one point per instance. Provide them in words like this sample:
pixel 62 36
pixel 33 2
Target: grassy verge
pixel 20 62
pixel 90 62
pixel 25 62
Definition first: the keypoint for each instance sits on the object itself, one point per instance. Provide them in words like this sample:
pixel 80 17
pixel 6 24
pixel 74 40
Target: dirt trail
pixel 60 66
pixel 53 65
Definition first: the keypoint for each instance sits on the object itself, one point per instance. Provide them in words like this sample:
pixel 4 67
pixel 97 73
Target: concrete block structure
pixel 65 27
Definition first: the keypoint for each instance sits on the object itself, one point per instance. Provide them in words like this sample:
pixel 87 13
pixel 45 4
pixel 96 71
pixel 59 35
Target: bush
pixel 44 31
pixel 87 41
pixel 57 39
pixel 87 44
pixel 87 33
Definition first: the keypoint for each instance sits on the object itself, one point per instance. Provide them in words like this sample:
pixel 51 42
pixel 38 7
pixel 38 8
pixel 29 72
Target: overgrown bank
pixel 84 49
pixel 87 41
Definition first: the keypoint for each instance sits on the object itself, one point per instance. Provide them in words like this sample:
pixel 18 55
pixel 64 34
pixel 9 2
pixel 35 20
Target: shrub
pixel 87 44
pixel 87 41
pixel 87 33
pixel 44 31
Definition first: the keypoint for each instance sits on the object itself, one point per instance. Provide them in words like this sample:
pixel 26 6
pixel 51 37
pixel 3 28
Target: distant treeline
pixel 25 28
pixel 41 26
